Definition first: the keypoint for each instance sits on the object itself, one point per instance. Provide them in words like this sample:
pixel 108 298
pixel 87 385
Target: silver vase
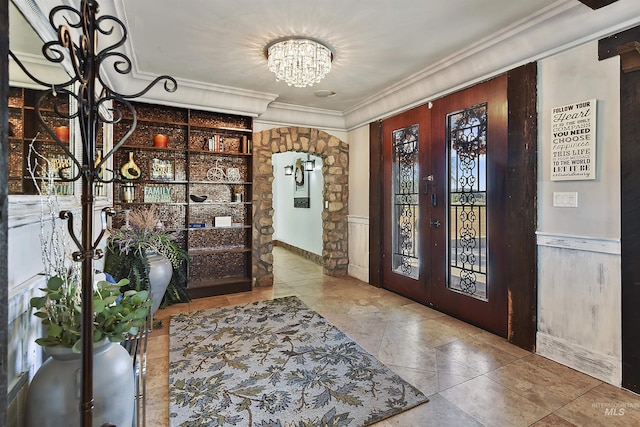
pixel 54 392
pixel 160 272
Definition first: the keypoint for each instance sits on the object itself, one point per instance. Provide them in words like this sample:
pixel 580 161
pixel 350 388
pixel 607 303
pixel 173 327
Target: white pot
pixel 160 272
pixel 55 391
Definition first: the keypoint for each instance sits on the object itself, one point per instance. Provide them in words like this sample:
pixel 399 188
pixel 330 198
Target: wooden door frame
pixel 4 201
pixel 375 204
pixel 520 191
pixel 629 197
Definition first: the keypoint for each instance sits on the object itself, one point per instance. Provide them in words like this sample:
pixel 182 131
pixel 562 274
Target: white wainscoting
pixel 579 304
pixel 359 247
pixel 24 355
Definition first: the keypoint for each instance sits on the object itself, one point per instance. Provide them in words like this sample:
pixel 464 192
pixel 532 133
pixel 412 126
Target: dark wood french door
pixel 405 152
pixel 444 173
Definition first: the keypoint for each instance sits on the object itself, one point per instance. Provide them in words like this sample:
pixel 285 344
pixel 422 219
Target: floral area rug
pixel 276 364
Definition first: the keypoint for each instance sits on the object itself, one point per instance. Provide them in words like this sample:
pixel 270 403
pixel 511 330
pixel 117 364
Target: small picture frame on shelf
pixel 161 170
pixel 233 175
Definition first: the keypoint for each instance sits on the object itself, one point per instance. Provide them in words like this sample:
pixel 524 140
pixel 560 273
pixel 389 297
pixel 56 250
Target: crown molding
pixel 190 93
pixel 554 30
pixel 38 66
pixel 283 114
pixel 481 45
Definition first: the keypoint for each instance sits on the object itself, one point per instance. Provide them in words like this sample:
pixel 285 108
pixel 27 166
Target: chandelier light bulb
pixel 299 62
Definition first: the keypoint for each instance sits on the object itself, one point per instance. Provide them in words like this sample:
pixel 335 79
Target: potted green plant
pixel 144 249
pixel 115 315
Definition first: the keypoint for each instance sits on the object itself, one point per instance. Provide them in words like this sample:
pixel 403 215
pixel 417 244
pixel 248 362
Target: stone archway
pixel 335 171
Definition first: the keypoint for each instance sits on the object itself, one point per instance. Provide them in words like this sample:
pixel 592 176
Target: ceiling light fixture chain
pixel 299 62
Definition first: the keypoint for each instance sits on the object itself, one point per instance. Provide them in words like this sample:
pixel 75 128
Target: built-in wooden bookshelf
pixel 207 154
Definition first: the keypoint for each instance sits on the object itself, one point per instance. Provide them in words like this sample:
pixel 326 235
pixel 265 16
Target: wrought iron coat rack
pixel 93 97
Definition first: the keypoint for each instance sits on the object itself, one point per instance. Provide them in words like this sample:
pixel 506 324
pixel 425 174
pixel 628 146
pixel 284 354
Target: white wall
pixel 577 75
pixel 579 279
pixel 359 171
pixel 299 227
pixel 359 203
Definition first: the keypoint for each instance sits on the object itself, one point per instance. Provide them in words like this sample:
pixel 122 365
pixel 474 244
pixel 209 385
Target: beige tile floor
pixel 472 377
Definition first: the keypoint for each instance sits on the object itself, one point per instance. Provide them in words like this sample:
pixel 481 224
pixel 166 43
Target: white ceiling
pixel 376 42
pixel 389 54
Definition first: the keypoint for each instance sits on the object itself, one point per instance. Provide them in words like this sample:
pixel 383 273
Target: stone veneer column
pixel 335 171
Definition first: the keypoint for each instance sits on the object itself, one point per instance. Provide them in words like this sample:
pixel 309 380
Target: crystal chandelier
pixel 299 62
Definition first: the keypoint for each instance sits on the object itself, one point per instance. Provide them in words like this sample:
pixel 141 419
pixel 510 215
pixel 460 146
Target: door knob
pixel 434 223
pixel 427 180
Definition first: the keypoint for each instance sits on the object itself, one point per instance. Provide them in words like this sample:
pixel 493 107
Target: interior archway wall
pixel 335 171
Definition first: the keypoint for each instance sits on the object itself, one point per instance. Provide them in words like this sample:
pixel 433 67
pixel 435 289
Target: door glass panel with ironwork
pixel 467 225
pixel 405 207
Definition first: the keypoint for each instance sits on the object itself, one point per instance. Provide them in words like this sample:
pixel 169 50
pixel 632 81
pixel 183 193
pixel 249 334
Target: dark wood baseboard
pixel 222 289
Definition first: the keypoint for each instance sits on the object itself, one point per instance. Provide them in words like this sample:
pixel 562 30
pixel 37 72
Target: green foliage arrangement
pixel 117 309
pixel 115 313
pixel 128 247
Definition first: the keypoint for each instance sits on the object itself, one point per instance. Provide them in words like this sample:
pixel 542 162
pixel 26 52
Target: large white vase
pixel 55 391
pixel 160 272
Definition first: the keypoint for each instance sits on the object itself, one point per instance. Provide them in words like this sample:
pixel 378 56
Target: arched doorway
pixel 335 193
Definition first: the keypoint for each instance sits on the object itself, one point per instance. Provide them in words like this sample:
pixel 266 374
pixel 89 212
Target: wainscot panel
pixel 579 304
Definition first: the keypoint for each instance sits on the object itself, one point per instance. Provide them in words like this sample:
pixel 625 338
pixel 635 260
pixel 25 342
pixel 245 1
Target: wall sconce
pixel 288 170
pixel 310 165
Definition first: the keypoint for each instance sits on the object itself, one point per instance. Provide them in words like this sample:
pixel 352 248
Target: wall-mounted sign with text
pixel 158 194
pixel 573 141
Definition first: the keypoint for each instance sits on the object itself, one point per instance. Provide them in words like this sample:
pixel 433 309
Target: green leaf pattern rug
pixel 276 364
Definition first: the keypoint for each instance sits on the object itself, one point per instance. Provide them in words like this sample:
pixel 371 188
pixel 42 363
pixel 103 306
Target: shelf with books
pixel 205 171
pixel 218 141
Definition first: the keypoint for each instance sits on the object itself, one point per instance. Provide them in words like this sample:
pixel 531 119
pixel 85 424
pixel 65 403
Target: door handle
pixel 427 180
pixel 434 223
pixel 434 200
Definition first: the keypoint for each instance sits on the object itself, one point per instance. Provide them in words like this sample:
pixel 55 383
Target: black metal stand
pixel 136 345
pixel 95 101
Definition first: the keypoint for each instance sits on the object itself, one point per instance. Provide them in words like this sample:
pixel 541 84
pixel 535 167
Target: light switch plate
pixel 565 199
